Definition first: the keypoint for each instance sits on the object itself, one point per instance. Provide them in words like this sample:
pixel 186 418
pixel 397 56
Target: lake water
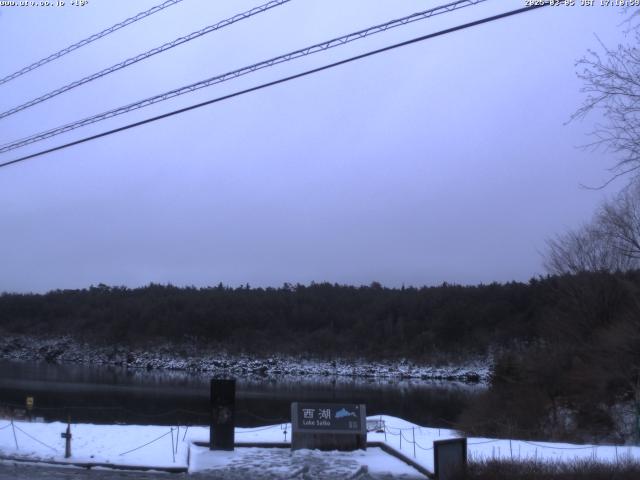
pixel 108 394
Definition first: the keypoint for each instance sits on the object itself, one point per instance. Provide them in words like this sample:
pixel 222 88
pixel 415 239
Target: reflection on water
pixel 108 394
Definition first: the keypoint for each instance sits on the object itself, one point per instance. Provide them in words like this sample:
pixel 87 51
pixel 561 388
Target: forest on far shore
pixel 321 319
pixel 564 346
pixel 554 312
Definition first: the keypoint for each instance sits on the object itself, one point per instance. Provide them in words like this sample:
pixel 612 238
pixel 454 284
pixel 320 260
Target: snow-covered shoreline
pixel 159 447
pixel 187 358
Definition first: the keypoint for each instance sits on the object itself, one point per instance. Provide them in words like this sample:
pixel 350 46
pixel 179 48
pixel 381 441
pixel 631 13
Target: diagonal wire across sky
pixel 88 40
pixel 309 50
pixel 283 80
pixel 143 56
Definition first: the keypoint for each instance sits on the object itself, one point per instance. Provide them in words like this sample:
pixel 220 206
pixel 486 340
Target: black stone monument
pixel 223 405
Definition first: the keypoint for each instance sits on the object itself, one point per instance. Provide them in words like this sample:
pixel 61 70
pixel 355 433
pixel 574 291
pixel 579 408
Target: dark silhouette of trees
pixel 318 318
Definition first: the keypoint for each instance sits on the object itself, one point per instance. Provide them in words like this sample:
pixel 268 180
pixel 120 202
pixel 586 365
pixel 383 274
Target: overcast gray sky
pixel 446 160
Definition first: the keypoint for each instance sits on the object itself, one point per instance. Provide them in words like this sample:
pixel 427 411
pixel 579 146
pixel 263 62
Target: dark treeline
pixel 324 319
pixel 566 348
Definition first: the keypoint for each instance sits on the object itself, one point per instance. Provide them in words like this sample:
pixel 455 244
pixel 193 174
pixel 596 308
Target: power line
pixel 143 56
pixel 88 40
pixel 319 47
pixel 279 81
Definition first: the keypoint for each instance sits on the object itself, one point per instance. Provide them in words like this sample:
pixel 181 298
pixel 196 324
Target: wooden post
pixel 413 431
pixel 67 437
pixel 15 439
pixel 173 453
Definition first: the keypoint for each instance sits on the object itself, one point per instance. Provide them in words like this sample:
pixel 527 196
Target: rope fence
pixel 426 449
pixel 284 425
pixel 411 441
pixel 484 442
pixel 32 437
pixel 174 442
pixel 149 443
pixel 515 431
pixel 204 415
pixel 259 429
pixel 400 432
pixel 511 429
pixel 560 448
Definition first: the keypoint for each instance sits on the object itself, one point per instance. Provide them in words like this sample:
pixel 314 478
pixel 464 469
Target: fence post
pixel 67 437
pixel 413 431
pixel 15 439
pixel 172 452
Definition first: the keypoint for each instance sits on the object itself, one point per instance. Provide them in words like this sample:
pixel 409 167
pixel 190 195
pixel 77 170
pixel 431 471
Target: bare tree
pixel 611 81
pixel 619 222
pixel 586 249
pixel 610 242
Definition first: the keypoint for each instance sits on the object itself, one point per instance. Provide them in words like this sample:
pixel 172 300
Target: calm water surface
pixel 108 394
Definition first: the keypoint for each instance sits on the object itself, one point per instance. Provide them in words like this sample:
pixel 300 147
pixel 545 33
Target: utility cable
pixel 242 71
pixel 279 81
pixel 143 56
pixel 88 40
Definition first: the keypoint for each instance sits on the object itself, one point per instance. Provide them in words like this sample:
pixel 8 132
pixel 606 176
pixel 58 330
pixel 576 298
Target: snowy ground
pixel 282 463
pixel 158 446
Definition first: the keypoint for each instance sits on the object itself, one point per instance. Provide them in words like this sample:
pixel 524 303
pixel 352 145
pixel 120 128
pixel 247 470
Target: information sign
pixel 328 426
pixel 328 417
